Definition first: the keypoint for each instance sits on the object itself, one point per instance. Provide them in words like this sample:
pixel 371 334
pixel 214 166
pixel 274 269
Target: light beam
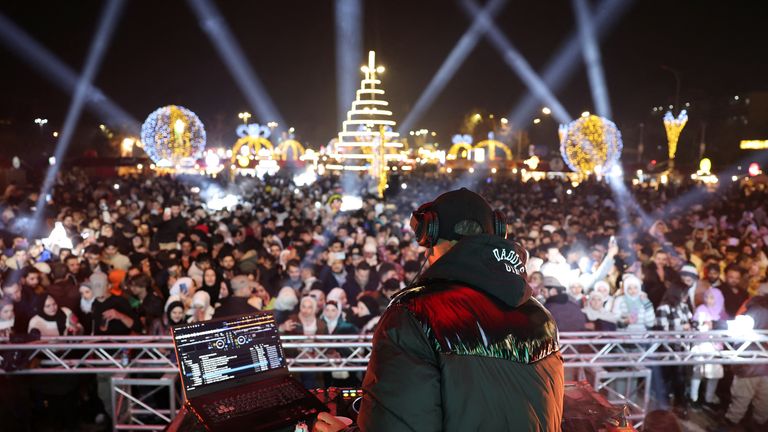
pixel 233 57
pixel 563 64
pixel 349 52
pixel 450 65
pixel 107 24
pixel 515 60
pixel 49 66
pixel 591 53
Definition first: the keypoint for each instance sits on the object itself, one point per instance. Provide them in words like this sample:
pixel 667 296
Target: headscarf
pixel 335 295
pixel 202 300
pixel 212 290
pixel 634 302
pixel 6 324
pixel 599 314
pixel 332 323
pixel 98 283
pixel 286 299
pixel 87 304
pixel 59 317
pixel 171 306
pixel 714 313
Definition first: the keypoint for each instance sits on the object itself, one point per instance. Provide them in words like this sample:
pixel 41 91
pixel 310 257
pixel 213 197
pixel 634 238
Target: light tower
pixel 366 138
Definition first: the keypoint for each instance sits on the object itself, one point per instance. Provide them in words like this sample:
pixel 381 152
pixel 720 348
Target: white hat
pixel 689 270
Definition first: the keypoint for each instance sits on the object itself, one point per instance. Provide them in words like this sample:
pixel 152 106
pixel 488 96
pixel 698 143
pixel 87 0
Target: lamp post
pixel 244 116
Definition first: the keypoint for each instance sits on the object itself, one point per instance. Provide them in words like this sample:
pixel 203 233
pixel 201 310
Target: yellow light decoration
pixel 297 150
pixel 753 144
pixel 590 144
pixel 464 147
pixel 494 145
pixel 247 147
pixel 705 166
pixel 674 126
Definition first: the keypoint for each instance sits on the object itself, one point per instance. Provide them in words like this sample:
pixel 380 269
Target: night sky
pixel 159 56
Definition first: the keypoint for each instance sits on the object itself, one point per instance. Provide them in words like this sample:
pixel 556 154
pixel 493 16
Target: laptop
pixel 235 377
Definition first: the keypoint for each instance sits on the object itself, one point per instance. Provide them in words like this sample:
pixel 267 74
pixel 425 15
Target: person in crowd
pixel 319 296
pixel 634 309
pixel 361 281
pixel 112 315
pixel 604 288
pixel 201 307
pixel 149 307
pixel 63 289
pixel 293 276
pixel 734 292
pixel 566 312
pixel 239 302
pixel 673 314
pixel 706 316
pixel 366 313
pixel 285 304
pixel 265 298
pixel 51 320
pixel 750 382
pixel 7 317
pixel 576 293
pixel 339 296
pixel 713 275
pixel 213 284
pixel 599 318
pixel 335 275
pixel 690 279
pixel 305 322
pixel 655 276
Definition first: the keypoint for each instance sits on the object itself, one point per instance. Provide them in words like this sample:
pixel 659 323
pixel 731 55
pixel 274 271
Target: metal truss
pixel 615 362
pixel 140 354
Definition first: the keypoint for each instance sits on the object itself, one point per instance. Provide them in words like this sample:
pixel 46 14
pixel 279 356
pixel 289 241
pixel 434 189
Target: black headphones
pixel 426 224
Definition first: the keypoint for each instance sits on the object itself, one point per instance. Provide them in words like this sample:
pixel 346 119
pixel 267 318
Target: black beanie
pixel 458 205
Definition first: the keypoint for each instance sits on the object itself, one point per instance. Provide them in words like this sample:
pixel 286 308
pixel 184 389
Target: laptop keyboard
pixel 278 395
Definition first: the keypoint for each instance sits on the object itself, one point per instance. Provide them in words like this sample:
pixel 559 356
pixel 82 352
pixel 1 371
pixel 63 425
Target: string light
pixel 173 135
pixel 590 144
pixel 366 141
pixel 674 126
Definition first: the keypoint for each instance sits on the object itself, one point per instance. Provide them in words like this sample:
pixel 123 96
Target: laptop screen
pixel 213 354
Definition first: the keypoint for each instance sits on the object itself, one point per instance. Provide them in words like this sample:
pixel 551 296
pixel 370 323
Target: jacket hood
pixel 486 263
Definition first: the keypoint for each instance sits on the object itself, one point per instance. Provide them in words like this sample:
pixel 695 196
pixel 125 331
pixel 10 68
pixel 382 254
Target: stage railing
pixel 616 363
pixel 142 354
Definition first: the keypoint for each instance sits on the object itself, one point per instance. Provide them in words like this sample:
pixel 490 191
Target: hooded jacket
pixel 467 349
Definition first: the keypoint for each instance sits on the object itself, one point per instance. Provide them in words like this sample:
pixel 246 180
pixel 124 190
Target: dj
pixel 466 348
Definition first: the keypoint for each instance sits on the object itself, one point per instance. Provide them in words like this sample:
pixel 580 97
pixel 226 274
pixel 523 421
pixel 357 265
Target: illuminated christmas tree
pixel 366 138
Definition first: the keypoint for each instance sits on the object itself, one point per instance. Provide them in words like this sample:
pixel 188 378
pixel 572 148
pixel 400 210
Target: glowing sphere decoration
pixel 590 144
pixel 173 136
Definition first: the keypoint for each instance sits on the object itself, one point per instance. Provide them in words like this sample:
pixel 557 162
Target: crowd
pixel 150 253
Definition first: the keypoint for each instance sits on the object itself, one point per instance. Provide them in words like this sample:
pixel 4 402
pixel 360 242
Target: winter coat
pixel 466 349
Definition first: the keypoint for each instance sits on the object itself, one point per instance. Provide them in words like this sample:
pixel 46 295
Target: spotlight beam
pixel 63 76
pixel 349 52
pixel 515 60
pixel 591 53
pixel 451 64
pixel 107 24
pixel 563 64
pixel 233 57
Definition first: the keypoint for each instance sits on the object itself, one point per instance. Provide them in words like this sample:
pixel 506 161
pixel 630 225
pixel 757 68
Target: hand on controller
pixel 327 422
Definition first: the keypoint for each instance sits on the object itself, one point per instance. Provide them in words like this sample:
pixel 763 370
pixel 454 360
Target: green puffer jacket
pixel 468 349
